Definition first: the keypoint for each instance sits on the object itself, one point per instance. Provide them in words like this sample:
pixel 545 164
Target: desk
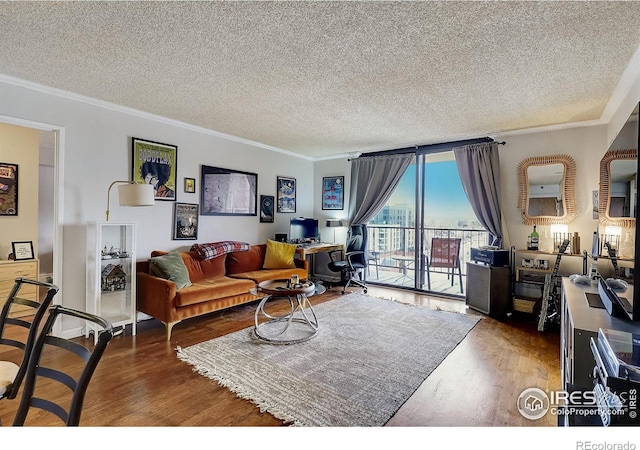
pixel 312 249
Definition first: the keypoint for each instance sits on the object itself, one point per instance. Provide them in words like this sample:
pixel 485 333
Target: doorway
pixel 49 235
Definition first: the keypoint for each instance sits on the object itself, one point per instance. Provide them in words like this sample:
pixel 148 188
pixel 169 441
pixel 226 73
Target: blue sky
pixel 445 195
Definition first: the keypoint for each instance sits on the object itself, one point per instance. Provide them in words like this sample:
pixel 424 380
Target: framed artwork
pixel 190 185
pixel 22 250
pixel 156 164
pixel 333 193
pixel 8 189
pixel 185 221
pixel 266 208
pixel 228 192
pixel 286 189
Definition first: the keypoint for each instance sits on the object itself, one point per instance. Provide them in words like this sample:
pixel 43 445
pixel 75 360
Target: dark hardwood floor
pixel 141 382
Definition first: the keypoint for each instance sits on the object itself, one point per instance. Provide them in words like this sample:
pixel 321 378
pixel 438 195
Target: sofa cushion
pixel 214 249
pixel 279 255
pixel 252 259
pixel 212 289
pixel 170 267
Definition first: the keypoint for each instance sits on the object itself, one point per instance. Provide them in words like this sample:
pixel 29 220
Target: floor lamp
pixel 334 223
pixel 131 193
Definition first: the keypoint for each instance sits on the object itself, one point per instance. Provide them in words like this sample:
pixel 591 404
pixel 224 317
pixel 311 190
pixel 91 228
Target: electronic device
pixel 281 237
pixel 492 256
pixel 616 376
pixel 616 283
pixel 616 305
pixel 303 229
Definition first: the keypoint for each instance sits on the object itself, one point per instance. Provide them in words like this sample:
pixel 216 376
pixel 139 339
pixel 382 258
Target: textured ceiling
pixel 328 78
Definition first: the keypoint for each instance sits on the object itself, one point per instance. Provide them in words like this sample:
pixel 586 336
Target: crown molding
pixel 142 114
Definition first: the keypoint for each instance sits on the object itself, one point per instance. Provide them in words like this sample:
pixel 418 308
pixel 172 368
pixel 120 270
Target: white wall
pixel 97 151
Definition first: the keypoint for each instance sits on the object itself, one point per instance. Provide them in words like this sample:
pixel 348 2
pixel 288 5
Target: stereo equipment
pixel 491 256
pixel 281 237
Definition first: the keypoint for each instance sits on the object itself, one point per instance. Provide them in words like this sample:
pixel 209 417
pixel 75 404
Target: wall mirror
pixel 547 189
pixel 618 171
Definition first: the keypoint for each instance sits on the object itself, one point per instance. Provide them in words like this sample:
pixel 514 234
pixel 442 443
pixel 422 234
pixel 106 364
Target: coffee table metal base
pixel 298 325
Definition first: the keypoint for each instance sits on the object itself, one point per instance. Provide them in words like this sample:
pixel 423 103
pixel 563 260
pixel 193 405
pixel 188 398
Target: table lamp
pixel 132 194
pixel 334 223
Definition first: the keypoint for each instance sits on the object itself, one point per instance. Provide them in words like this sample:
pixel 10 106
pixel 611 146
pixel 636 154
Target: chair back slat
pixel 75 376
pixel 26 343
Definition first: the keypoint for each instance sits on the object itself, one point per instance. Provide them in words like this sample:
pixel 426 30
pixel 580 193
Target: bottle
pixel 575 243
pixel 535 239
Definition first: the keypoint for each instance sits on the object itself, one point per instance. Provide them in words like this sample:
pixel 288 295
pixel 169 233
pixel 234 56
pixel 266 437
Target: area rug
pixel 367 359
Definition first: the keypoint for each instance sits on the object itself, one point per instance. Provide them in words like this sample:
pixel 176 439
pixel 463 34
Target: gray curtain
pixel 479 169
pixel 373 179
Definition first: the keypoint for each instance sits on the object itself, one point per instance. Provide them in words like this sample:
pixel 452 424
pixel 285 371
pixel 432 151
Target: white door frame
pixel 58 194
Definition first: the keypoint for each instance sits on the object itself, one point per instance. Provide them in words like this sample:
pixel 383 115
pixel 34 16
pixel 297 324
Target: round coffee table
pixel 299 324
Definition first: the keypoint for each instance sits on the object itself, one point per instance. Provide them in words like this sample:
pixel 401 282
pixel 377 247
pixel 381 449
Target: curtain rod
pixel 428 148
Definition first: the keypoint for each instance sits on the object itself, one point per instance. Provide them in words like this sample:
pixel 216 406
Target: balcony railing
pixel 388 242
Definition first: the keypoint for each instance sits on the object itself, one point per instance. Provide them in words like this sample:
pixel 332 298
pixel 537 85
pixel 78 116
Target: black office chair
pixel 21 332
pixel 354 263
pixel 49 361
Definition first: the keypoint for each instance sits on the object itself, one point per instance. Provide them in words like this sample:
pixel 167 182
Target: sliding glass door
pixel 421 239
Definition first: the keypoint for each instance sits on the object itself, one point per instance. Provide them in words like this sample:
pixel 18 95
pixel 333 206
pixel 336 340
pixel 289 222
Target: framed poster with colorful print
pixel 155 163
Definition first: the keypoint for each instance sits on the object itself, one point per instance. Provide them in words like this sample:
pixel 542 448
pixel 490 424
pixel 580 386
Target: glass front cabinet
pixel 111 281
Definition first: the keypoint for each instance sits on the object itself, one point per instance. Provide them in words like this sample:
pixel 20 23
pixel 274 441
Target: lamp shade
pixel 132 194
pixel 136 194
pixel 333 223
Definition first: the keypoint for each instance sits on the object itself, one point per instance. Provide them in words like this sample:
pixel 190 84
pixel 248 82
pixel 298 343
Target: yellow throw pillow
pixel 279 255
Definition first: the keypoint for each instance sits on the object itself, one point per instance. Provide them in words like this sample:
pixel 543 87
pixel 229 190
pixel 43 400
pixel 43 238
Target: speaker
pixel 281 237
pixel 488 289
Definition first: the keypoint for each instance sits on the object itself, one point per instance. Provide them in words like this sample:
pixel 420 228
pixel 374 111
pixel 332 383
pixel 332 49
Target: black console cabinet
pixel 488 288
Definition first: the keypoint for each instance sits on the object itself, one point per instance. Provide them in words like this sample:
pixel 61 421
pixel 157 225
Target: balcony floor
pixel 440 283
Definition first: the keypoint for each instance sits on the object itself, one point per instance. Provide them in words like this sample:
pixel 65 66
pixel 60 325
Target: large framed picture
pixel 8 189
pixel 333 192
pixel 185 221
pixel 228 192
pixel 286 189
pixel 266 208
pixel 155 163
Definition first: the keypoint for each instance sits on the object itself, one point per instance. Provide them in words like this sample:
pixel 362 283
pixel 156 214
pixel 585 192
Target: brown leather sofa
pixel 217 283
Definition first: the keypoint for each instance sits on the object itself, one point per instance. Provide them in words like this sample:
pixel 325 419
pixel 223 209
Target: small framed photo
pixel 22 250
pixel 333 192
pixel 266 208
pixel 286 188
pixel 190 185
pixel 185 221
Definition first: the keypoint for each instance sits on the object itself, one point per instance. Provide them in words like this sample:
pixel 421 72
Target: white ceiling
pixel 330 78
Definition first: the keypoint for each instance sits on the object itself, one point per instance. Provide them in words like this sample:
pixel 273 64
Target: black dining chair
pixel 29 300
pixel 353 264
pixel 50 364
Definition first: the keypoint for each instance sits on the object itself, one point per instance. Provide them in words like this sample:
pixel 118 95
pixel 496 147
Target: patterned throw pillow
pixel 215 249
